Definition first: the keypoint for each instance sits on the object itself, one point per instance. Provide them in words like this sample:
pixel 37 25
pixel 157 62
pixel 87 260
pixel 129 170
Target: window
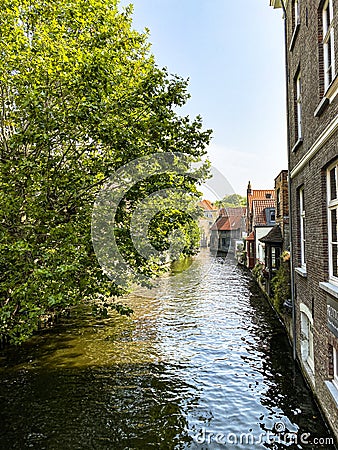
pixel 335 367
pixel 328 43
pixel 302 227
pixel 272 216
pixel 296 16
pixel 275 257
pixel 278 203
pixel 298 100
pixel 307 336
pixel 332 181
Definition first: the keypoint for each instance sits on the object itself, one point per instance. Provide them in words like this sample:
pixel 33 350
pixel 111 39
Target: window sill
pixel 329 288
pixel 333 390
pixel 321 107
pixel 294 35
pixel 332 89
pixel 297 144
pixel 301 271
pixel 328 97
pixel 310 373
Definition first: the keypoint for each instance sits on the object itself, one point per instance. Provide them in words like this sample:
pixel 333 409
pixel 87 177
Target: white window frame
pixel 307 348
pixel 278 204
pixel 302 228
pixel 299 105
pixel 335 367
pixel 332 205
pixel 328 44
pixel 296 12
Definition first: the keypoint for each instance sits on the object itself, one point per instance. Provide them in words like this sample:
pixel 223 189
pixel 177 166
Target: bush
pixel 281 284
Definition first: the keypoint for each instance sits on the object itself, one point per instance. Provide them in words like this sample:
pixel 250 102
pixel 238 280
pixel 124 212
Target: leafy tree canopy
pixel 231 200
pixel 81 95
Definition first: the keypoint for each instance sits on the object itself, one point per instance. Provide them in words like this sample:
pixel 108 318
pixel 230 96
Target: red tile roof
pixel 207 205
pixel 233 211
pixel 259 194
pixel 226 224
pixel 258 209
pixel 229 219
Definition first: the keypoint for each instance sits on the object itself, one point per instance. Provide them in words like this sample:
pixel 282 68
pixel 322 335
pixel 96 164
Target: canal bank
pixel 201 362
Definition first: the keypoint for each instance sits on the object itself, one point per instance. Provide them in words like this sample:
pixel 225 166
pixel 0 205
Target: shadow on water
pixel 118 407
pixel 203 355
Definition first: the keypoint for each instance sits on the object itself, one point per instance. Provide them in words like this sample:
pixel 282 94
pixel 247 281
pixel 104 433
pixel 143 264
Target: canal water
pixel 203 363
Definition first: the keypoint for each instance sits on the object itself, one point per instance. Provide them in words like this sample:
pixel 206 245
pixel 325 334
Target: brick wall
pixel 306 55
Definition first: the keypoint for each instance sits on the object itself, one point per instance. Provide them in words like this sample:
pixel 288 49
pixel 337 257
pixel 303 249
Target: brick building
pixel 210 213
pixel 260 218
pixel 227 230
pixel 282 206
pixel 311 31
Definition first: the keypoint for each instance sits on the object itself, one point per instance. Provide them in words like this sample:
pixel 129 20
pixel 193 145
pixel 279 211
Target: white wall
pixel 260 246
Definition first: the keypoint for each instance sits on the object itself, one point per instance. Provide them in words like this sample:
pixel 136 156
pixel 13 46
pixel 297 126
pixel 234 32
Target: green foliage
pixel 101 309
pixel 80 96
pixel 230 201
pixel 257 271
pixel 281 284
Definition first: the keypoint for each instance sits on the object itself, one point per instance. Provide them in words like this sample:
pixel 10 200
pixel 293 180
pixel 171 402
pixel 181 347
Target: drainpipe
pixel 294 338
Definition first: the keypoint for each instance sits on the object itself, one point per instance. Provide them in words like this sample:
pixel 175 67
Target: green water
pixel 203 353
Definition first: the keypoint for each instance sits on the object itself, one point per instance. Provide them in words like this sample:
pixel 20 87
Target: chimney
pixel 249 189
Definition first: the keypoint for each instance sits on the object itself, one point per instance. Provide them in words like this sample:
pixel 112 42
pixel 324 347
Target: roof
pixel 274 236
pixel 260 194
pixel 229 219
pixel 258 209
pixel 207 205
pixel 251 236
pixel 233 211
pixel 224 223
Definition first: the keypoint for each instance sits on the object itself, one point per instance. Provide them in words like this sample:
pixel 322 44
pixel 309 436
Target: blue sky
pixel 233 54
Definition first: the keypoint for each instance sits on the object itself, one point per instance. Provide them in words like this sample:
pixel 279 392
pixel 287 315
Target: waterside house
pixel 228 229
pixel 260 218
pixel 210 213
pixel 278 238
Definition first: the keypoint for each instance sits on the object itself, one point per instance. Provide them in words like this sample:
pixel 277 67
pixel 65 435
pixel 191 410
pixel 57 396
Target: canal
pixel 203 363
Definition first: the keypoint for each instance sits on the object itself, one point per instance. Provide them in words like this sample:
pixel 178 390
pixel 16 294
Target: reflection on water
pixel 203 353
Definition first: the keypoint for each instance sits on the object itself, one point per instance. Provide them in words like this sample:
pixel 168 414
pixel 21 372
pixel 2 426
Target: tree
pixel 230 201
pixel 80 97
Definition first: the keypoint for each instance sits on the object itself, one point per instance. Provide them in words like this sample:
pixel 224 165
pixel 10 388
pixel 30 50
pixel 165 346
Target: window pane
pixel 302 200
pixel 334 260
pixel 334 225
pixel 333 184
pixel 328 18
pixel 335 363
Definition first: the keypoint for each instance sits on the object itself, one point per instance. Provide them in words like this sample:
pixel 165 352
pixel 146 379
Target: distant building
pixel 210 213
pixel 282 206
pixel 227 230
pixel 260 218
pixel 278 238
pixel 311 30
